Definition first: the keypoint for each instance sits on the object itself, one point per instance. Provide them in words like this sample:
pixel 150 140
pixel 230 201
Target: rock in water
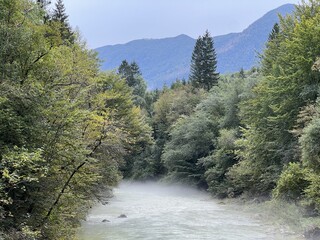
pixel 122 216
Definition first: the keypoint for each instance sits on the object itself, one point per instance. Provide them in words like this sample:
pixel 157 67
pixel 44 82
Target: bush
pixel 292 183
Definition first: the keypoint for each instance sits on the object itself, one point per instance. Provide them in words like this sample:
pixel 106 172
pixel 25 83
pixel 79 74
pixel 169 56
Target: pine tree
pixel 196 60
pixel 125 71
pixel 204 63
pixel 132 74
pixel 135 68
pixel 242 74
pixel 274 32
pixel 60 16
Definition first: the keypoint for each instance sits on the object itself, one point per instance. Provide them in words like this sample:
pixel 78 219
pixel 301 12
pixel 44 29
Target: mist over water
pixel 158 211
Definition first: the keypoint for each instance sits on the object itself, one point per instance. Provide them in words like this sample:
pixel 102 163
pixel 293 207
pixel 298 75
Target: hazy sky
pixel 108 22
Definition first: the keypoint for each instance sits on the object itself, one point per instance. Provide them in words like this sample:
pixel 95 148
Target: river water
pixel 156 211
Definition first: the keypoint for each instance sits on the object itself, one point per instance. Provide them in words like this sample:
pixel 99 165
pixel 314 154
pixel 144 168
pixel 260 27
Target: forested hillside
pixel 69 132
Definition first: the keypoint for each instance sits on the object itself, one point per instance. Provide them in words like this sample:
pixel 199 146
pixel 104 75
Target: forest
pixel 69 132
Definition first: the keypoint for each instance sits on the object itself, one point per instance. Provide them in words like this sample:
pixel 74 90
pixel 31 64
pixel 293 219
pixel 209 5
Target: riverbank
pixel 287 218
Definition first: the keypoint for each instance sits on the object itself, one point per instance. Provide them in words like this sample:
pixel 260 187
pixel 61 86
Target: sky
pixel 109 22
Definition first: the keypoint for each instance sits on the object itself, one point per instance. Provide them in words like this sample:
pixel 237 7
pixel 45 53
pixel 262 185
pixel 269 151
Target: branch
pixel 98 143
pixel 63 190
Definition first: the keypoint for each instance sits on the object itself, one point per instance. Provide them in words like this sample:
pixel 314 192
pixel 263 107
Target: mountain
pixel 239 50
pixel 162 61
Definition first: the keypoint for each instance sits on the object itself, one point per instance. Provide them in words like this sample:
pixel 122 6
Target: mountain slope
pixel 240 49
pixel 162 61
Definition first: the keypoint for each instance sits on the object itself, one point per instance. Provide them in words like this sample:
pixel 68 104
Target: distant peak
pixel 183 36
pixel 283 9
pixel 287 5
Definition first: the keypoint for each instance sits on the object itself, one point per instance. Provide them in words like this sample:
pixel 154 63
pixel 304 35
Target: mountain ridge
pixel 162 61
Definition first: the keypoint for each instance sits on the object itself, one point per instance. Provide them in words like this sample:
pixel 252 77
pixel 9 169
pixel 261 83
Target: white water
pixel 156 211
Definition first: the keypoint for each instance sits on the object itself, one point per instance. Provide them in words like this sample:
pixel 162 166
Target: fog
pixel 162 189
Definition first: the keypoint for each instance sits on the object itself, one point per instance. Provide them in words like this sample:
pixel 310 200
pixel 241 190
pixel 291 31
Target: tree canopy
pixel 65 128
pixel 204 63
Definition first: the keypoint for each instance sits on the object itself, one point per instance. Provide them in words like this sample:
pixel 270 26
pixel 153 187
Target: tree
pixel 289 85
pixel 274 32
pixel 242 73
pixel 133 77
pixel 222 105
pixel 65 128
pixel 60 16
pixel 204 63
pixel 130 72
pixel 191 140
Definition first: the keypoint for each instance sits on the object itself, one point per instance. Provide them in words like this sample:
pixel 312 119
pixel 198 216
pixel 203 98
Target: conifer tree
pixel 242 74
pixel 274 32
pixel 204 63
pixel 132 74
pixel 60 16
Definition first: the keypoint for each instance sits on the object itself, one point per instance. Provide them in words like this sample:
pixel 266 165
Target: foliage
pixel 292 183
pixel 138 153
pixel 223 106
pixel 220 161
pixel 310 145
pixel 131 73
pixel 204 64
pixel 191 139
pixel 274 32
pixel 310 158
pixel 300 182
pixel 68 131
pixel 289 85
pixel 201 146
pixel 65 128
pixel 171 104
pixel 59 16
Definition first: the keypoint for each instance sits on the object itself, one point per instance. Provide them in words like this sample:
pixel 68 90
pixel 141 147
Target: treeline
pixel 65 127
pixel 254 133
pixel 68 132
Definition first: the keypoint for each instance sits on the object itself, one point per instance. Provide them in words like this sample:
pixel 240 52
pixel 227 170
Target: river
pixel 156 211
